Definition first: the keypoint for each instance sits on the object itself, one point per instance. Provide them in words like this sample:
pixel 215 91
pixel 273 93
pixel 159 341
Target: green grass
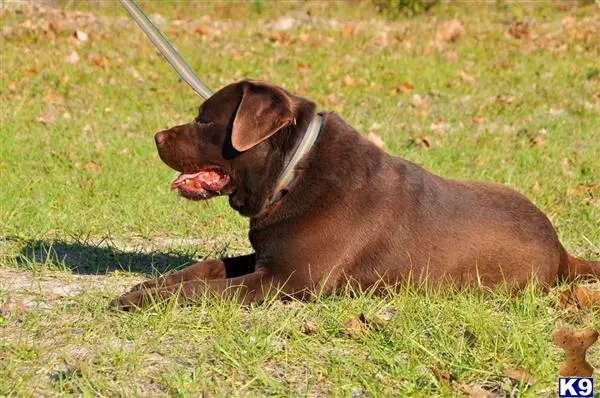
pixel 83 192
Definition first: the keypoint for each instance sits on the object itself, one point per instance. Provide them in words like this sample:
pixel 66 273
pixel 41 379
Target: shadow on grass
pixel 90 259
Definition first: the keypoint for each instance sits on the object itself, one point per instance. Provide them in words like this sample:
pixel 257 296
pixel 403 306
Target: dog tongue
pixel 181 178
pixel 210 179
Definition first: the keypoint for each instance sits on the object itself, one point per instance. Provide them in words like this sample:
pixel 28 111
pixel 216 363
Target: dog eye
pixel 200 120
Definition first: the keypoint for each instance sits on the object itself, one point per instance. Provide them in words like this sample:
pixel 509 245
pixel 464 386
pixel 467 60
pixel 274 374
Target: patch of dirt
pixel 23 291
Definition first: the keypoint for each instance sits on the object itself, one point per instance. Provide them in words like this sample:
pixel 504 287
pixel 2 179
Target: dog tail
pixel 572 267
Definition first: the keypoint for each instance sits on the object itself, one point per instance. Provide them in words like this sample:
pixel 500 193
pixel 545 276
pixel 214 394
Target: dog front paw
pixel 130 302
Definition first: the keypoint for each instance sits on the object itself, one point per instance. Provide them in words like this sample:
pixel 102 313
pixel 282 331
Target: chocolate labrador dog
pixel 327 208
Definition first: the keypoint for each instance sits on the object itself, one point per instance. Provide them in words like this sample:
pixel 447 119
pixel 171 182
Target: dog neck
pixel 288 176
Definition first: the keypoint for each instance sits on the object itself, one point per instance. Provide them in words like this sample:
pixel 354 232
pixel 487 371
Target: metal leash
pixel 166 49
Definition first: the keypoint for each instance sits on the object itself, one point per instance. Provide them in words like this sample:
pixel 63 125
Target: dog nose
pixel 161 137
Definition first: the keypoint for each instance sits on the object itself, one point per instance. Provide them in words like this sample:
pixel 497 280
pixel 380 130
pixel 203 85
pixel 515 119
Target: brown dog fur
pixel 355 213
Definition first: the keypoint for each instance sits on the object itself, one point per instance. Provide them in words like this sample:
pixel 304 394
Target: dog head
pixel 237 145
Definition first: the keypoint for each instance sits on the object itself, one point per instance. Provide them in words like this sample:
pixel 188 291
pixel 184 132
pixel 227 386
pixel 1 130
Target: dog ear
pixel 263 111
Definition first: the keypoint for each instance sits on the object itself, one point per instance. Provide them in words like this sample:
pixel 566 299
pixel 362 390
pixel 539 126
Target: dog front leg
pixel 245 289
pixel 229 267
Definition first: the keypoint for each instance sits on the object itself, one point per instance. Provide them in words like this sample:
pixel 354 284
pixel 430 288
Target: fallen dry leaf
pixel 449 31
pixel 172 32
pixel 465 77
pixel 158 19
pixel 421 104
pixel 81 36
pixel 7 31
pixel 519 30
pixel 387 314
pixel 303 67
pixel 348 30
pixel 568 20
pixel 555 112
pixel 566 167
pixel 422 141
pixel 575 344
pixel 284 23
pixel 374 322
pixel 537 189
pixel 567 300
pixel 309 327
pixel 48 118
pixel 201 30
pixel 20 307
pixel 72 58
pixel 54 26
pixel 382 40
pixel 277 36
pixel 331 99
pixel 477 120
pixel 473 390
pixel 354 328
pixel 348 81
pixel 539 138
pixel 52 98
pixel 99 60
pixel 439 126
pixel 235 54
pixel 505 99
pixel 375 126
pixel 135 74
pixel 592 189
pixel 405 87
pixel 93 167
pixel 587 296
pixel 442 376
pixel 303 37
pixel 595 202
pixel 521 376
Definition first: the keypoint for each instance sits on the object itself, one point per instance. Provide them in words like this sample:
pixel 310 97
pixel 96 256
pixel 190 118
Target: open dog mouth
pixel 204 184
